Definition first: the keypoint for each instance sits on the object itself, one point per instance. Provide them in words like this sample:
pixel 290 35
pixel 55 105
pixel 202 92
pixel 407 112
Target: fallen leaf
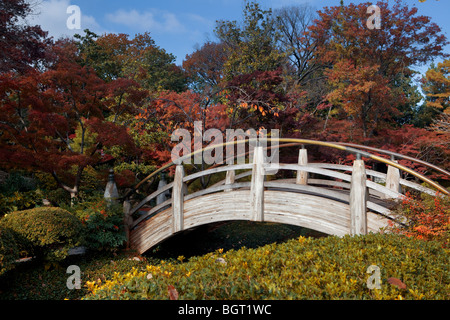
pixel 173 293
pixel 396 282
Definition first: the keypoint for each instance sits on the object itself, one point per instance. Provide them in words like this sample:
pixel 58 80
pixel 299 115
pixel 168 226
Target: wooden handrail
pixel 351 148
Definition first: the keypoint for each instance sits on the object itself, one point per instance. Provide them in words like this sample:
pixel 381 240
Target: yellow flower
pixel 91 285
pixel 220 250
pixel 167 274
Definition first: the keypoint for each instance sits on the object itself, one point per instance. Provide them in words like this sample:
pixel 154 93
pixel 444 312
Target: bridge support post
pixel 302 176
pixel 392 180
pixel 178 200
pixel 358 199
pixel 229 179
pixel 257 186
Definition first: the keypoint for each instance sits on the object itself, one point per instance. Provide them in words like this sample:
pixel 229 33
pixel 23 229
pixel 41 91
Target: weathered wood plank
pixel 336 195
pixel 152 211
pixel 377 174
pixel 150 197
pixel 216 170
pixel 257 185
pixel 178 199
pixel 329 183
pixel 358 199
pixel 302 176
pixel 236 177
pixel 339 175
pixel 373 173
pixel 225 187
pixel 392 180
pixel 309 211
pixel 229 179
pixel 157 227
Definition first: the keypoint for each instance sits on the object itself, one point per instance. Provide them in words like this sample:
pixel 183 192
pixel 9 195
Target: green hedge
pixel 44 231
pixel 9 251
pixel 326 268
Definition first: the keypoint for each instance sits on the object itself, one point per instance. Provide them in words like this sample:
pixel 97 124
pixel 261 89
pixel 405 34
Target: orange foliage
pixel 428 219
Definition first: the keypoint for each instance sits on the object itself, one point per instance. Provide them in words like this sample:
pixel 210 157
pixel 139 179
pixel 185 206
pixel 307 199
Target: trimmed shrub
pixel 9 251
pixel 325 268
pixel 47 232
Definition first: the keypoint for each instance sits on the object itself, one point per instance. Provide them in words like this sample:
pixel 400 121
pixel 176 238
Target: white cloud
pixel 152 20
pixel 52 16
pixel 199 19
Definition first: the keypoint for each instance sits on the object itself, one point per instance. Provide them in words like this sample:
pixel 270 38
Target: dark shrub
pixel 9 251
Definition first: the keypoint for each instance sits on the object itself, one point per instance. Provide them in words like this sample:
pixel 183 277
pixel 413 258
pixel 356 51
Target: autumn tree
pixel 292 23
pixel 55 121
pixel 187 110
pixel 115 56
pixel 23 46
pixel 365 64
pixel 436 85
pixel 250 46
pixel 205 66
pixel 253 87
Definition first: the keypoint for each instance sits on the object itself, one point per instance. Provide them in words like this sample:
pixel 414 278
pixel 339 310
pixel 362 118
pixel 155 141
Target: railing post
pixel 392 179
pixel 358 199
pixel 178 199
pixel 257 186
pixel 229 179
pixel 302 176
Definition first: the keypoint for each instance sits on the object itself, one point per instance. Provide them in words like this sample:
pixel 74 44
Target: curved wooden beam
pixel 324 215
pixel 397 155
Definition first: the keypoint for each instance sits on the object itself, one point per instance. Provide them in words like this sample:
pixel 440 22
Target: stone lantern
pixel 111 193
pixel 162 183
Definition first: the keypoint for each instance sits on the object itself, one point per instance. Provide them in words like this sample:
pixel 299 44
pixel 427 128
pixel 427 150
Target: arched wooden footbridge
pixel 338 200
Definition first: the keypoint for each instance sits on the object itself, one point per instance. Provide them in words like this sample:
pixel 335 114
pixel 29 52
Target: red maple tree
pixel 43 114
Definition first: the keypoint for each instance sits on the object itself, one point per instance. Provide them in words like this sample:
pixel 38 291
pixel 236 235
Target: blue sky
pixel 178 26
